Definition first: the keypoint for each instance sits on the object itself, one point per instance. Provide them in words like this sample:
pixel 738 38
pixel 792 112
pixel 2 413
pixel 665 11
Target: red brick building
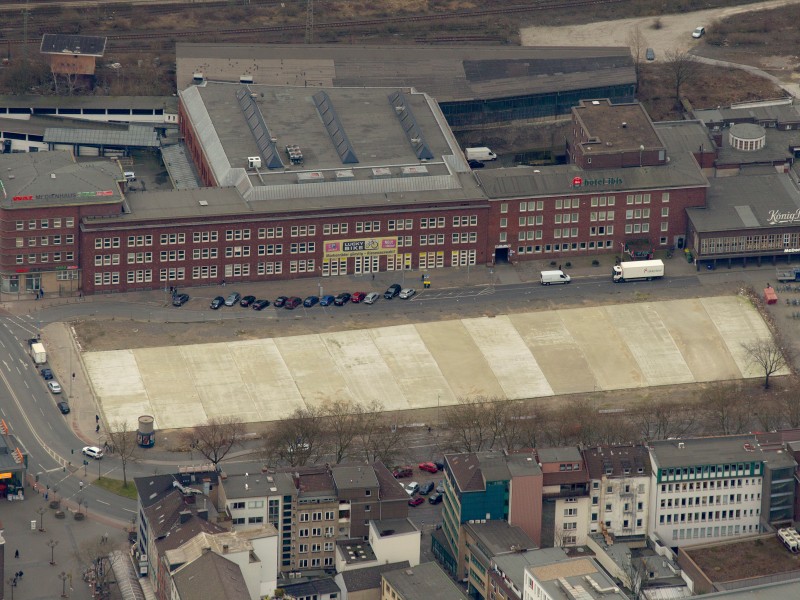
pixel 375 182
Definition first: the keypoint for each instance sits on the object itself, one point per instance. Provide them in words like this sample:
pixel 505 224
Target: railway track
pixel 377 22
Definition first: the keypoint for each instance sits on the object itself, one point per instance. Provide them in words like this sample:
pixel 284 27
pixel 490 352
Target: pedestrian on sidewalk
pixel 81 484
pixel 97 428
pixel 97 418
pixel 16 553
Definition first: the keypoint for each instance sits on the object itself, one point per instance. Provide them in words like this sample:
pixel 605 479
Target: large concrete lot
pixel 526 355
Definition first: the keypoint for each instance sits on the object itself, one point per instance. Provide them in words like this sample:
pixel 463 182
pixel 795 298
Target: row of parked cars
pixel 292 302
pixel 55 388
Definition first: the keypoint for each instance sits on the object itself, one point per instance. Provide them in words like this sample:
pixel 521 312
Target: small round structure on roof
pixel 747 137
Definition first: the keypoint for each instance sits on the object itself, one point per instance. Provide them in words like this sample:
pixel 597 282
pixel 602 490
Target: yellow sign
pixel 378 246
pixel 5 475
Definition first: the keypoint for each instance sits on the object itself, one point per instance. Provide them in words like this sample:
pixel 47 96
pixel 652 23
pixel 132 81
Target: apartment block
pixel 620 485
pixel 705 489
pixel 565 493
pixel 571 579
pixel 486 486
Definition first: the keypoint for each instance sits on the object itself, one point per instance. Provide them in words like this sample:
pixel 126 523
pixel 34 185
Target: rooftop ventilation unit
pixel 409 123
pixel 253 162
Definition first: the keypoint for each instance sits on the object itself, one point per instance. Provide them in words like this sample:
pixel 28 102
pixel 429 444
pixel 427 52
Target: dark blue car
pixel 310 301
pixel 326 300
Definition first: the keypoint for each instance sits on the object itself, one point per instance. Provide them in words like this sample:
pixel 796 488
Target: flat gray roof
pixel 779 111
pixel 390 527
pixel 770 591
pixel 704 451
pixel 681 171
pixel 38 124
pixel 38 179
pixel 132 136
pixel 423 582
pixel 498 537
pixel 778 147
pixel 168 103
pixel 562 454
pixel 571 579
pixel 448 73
pixel 354 477
pixel 625 127
pixel 513 564
pixel 755 199
pixel 258 485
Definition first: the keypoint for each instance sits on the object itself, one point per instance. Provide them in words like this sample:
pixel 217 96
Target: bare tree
pixel 297 440
pixel 683 68
pixel 790 402
pixel 659 419
pixel 343 421
pixel 382 437
pixel 469 425
pixel 726 409
pixel 216 438
pixel 123 443
pixel 97 560
pixel 637 43
pixel 767 355
pixel 636 571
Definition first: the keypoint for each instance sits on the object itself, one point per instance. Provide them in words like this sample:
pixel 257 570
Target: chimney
pixel 185 515
pixel 224 548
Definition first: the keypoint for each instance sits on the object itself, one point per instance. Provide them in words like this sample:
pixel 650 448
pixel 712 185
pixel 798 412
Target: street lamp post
pixel 40 511
pixel 63 577
pixel 52 544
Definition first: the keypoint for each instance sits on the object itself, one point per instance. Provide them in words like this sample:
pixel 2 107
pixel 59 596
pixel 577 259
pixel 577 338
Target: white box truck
pixel 638 270
pixel 481 154
pixel 38 354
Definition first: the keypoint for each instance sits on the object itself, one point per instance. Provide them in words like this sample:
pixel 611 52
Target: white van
pixel 549 277
pixel 481 154
pixel 130 176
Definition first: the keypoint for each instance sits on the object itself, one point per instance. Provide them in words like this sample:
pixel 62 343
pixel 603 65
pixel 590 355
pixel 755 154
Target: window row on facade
pixel 710 471
pixel 749 243
pixel 690 517
pixel 54 223
pixel 45 240
pixel 713 532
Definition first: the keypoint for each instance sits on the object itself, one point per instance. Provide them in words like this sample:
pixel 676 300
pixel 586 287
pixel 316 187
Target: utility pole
pixel 309 21
pixel 25 31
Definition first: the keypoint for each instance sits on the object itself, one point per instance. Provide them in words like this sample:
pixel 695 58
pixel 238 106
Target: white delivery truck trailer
pixel 638 270
pixel 481 154
pixel 38 354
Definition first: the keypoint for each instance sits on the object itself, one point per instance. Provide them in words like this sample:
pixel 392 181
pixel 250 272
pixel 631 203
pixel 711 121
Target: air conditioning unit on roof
pixel 253 162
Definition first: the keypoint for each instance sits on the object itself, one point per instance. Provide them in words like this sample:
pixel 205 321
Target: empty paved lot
pixel 526 355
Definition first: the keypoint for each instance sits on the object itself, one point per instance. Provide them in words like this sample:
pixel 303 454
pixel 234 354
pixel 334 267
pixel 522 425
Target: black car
pixel 475 164
pixel 47 374
pixel 217 302
pixel 392 291
pixel 247 301
pixel 292 303
pixel 435 499
pixel 426 488
pixel 260 304
pixel 310 301
pixel 180 299
pixel 342 299
pixel 63 407
pixel 280 301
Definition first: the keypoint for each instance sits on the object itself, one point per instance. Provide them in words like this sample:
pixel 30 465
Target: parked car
pixel 416 501
pixel 47 374
pixel 92 452
pixel 326 300
pixel 292 303
pixel 412 488
pixel 475 164
pixel 310 301
pixel 358 297
pixel 247 301
pixel 392 291
pixel 426 488
pixel 232 299
pixel 407 293
pixel 63 407
pixel 371 298
pixel 698 32
pixel 217 302
pixel 435 499
pixel 400 472
pixel 650 54
pixel 180 299
pixel 342 299
pixel 54 386
pixel 440 488
pixel 429 467
pixel 260 304
pixel 280 301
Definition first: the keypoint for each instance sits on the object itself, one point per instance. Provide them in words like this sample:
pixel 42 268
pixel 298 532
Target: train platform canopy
pixel 135 136
pixel 83 45
pixel 448 73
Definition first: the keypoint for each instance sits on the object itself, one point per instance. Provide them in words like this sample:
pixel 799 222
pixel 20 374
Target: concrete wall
pixel 525 506
pixel 397 547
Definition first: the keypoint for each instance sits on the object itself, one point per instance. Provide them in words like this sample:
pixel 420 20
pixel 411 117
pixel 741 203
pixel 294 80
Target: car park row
pixel 292 302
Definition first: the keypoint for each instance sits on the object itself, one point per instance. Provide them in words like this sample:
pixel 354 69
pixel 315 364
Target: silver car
pixel 54 386
pixel 407 293
pixel 371 297
pixel 233 299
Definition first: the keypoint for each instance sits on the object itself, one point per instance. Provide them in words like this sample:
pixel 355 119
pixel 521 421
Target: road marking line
pixel 102 502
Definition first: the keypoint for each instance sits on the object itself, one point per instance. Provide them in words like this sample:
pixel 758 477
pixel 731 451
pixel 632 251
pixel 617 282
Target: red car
pixel 429 467
pixel 416 501
pixel 292 303
pixel 400 472
pixel 357 297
